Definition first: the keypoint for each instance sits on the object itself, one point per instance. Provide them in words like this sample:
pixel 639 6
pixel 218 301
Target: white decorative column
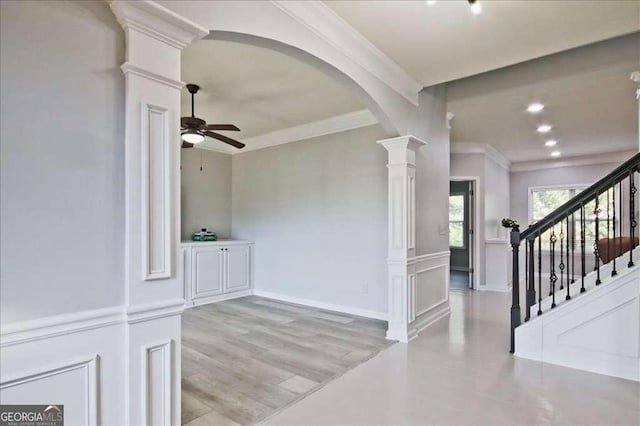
pixel 635 77
pixel 153 291
pixel 402 207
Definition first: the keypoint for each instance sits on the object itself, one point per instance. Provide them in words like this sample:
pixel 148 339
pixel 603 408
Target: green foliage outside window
pixel 456 221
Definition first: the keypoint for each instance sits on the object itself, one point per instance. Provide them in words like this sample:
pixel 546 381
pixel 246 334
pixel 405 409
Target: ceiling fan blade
pixel 222 127
pixel 225 139
pixel 186 145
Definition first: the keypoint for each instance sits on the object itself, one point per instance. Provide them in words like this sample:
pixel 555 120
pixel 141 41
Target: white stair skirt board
pixel 322 305
pixel 597 331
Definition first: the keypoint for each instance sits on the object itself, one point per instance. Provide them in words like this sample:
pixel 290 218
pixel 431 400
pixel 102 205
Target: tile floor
pixel 459 372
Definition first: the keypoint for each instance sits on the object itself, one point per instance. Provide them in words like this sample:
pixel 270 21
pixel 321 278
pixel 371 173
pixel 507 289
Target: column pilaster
pixel 153 289
pixel 402 234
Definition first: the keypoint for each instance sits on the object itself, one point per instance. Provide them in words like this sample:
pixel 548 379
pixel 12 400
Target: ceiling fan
pixel 194 129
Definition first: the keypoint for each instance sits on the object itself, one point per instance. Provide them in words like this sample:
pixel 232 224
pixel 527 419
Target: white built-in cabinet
pixel 216 270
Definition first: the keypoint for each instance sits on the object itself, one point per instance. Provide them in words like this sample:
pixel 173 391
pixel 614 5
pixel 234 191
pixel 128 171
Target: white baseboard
pixel 322 305
pixel 219 298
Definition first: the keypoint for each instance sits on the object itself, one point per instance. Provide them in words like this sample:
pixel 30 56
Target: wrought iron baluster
pixel 596 248
pixel 569 234
pixel 615 253
pixel 573 247
pixel 621 219
pixel 553 278
pixel 582 246
pixel 561 265
pixel 531 287
pixel 632 216
pixel 539 237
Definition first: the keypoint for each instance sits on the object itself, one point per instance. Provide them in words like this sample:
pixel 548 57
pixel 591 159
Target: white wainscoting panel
pixel 431 288
pixel 72 384
pixel 158 375
pixel 156 192
pixel 83 369
pixel 598 331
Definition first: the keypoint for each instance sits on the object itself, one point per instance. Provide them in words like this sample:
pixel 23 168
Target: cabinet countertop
pixel 214 243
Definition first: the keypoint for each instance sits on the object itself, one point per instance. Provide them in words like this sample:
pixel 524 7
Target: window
pixel 456 221
pixel 543 201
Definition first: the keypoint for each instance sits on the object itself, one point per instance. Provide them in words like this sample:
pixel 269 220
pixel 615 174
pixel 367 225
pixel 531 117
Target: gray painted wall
pixel 432 174
pixel 317 210
pixel 61 143
pixel 206 193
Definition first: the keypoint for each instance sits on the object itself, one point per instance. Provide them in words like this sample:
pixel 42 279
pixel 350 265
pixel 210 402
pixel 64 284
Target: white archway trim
pixel 322 20
pixel 267 24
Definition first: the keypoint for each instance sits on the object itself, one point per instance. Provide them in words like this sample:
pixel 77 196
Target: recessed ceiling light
pixel 550 142
pixel 544 128
pixel 476 7
pixel 555 154
pixel 431 2
pixel 535 108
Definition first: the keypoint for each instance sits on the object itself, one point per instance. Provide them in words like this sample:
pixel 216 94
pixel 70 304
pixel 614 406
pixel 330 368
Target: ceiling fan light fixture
pixel 192 137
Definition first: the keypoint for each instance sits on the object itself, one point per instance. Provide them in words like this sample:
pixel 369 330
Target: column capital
pixel 157 22
pixel 407 142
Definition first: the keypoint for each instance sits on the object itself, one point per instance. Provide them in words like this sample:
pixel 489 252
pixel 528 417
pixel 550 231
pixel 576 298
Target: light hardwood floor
pixel 246 359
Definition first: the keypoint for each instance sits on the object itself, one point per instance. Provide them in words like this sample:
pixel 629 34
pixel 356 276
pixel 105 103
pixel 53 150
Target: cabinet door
pixel 238 266
pixel 206 272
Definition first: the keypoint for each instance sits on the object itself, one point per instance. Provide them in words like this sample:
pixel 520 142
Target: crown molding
pixel 481 148
pixel 314 129
pixel 327 24
pixel 583 160
pixel 156 21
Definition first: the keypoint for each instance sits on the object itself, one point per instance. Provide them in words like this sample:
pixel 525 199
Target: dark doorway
pixel 461 234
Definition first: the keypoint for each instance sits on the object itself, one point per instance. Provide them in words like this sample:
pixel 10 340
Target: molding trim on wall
pixel 431 315
pixel 154 310
pixel 427 257
pixel 322 305
pixel 140 72
pixel 327 126
pixel 327 24
pixel 584 160
pixel 481 148
pixel 166 352
pixel 156 192
pixel 59 325
pixel 90 369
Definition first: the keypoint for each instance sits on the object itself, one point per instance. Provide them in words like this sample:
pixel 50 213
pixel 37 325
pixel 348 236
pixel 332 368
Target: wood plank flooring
pixel 246 359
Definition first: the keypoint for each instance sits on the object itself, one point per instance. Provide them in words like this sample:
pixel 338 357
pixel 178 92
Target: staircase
pixel 582 281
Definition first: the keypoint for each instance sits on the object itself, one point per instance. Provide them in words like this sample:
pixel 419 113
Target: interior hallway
pixel 459 372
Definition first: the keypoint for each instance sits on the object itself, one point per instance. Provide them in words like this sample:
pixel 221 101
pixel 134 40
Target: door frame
pixel 475 218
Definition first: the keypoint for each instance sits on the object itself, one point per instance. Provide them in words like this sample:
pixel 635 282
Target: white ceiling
pixel 446 41
pixel 257 89
pixel 588 96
